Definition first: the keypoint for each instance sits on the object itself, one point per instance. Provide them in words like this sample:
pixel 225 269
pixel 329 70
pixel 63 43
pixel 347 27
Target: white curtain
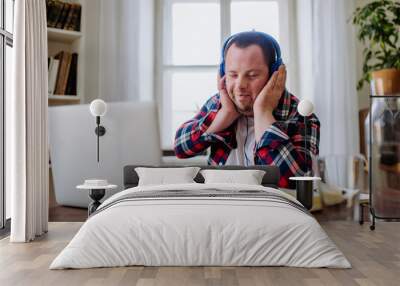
pixel 27 124
pixel 327 71
pixel 125 43
pixel 118 50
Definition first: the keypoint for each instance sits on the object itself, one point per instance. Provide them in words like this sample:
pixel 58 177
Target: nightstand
pixel 97 190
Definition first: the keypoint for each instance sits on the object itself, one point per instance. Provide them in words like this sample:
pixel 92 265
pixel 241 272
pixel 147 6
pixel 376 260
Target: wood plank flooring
pixel 374 255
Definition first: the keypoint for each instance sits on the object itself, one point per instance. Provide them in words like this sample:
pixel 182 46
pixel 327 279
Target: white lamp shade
pixel 98 107
pixel 305 107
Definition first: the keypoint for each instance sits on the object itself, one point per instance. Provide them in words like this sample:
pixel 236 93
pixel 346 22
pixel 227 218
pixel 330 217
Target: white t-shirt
pixel 243 155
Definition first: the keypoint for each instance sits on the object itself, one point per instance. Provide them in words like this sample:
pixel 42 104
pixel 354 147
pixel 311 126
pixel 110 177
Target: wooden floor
pixel 374 255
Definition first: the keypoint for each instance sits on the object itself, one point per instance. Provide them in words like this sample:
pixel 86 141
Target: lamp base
pixel 304 193
pixel 96 195
pixel 304 190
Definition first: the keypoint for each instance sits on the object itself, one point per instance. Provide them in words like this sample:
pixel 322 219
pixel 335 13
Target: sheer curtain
pixel 326 57
pixel 26 130
pixel 125 48
pixel 118 50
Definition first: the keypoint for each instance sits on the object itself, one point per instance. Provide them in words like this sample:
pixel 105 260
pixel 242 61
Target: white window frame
pixel 162 28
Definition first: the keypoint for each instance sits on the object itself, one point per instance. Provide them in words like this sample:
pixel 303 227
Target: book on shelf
pixel 65 63
pixel 72 77
pixel 53 71
pixel 62 77
pixel 73 22
pixel 54 10
pixel 68 20
pixel 61 15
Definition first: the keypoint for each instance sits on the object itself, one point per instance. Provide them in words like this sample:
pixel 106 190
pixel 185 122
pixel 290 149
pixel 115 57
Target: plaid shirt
pixel 282 144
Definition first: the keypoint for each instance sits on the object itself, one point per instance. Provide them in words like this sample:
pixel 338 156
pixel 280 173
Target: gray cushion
pixel 270 179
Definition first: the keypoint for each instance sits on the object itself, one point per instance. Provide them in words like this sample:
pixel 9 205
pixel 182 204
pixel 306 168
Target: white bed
pixel 203 231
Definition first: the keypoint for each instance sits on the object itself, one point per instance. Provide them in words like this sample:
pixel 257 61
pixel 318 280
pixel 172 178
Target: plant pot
pixel 385 82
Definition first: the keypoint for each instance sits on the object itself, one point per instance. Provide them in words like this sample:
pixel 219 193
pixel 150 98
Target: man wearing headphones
pixel 253 120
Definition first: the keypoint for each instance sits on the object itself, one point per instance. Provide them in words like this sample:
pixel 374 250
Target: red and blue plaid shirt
pixel 282 144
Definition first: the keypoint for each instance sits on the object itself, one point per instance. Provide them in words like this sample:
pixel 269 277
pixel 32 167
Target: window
pixel 6 43
pixel 190 35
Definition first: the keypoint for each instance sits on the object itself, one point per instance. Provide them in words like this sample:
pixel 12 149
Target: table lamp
pixel 304 184
pixel 305 108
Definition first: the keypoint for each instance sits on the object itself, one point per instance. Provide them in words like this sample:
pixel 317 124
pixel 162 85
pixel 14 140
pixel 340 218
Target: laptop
pixel 132 137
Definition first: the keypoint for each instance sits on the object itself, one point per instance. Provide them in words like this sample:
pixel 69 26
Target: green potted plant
pixel 378 29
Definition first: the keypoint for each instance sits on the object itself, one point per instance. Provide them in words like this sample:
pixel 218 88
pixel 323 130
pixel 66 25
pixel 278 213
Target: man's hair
pixel 245 39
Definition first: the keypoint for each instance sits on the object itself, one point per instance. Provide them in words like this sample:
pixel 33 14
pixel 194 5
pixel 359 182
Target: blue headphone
pixel 273 66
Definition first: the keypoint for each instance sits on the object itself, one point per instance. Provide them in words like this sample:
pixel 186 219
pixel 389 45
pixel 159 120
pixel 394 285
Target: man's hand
pixel 227 105
pixel 267 100
pixel 227 114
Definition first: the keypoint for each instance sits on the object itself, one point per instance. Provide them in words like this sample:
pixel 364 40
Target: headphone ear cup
pixel 222 64
pixel 222 68
pixel 275 66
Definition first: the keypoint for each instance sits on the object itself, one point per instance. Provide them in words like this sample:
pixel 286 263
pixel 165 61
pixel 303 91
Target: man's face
pixel 246 75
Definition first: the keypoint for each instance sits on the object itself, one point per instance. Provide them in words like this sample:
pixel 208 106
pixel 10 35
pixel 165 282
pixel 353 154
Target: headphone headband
pixel 273 66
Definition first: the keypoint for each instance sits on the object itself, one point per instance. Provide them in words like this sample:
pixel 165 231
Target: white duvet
pixel 200 231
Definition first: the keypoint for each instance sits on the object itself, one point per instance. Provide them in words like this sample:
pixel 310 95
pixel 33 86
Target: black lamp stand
pixel 100 131
pixel 304 188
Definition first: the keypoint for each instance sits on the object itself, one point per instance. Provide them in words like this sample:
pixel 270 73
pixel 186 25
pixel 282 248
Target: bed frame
pixel 270 179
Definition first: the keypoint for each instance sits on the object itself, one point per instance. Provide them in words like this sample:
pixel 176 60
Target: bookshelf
pixel 65 41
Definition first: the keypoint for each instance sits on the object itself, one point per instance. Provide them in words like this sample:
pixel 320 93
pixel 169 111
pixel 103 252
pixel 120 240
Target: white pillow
pixel 163 176
pixel 249 177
